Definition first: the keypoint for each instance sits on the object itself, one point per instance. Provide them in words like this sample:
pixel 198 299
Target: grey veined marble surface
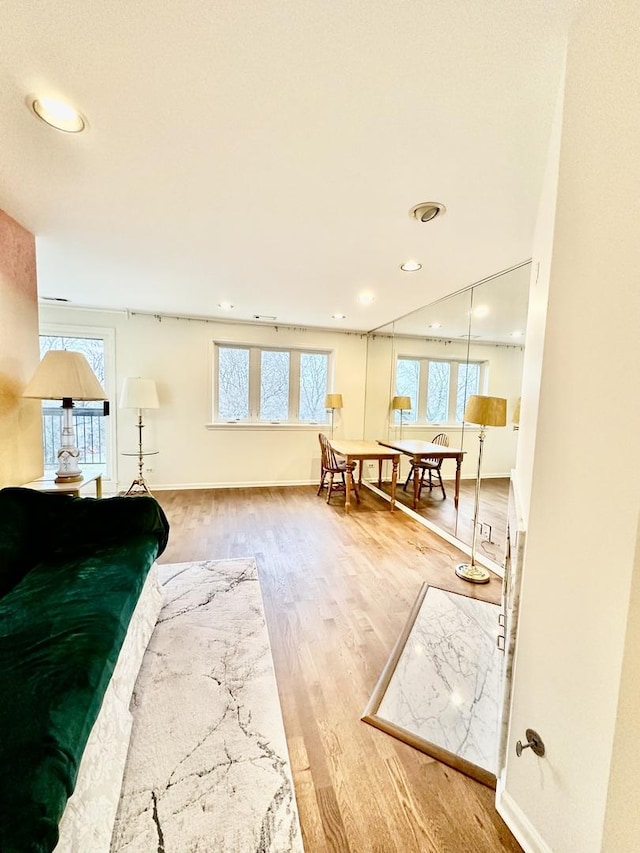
pixel 208 767
pixel 446 685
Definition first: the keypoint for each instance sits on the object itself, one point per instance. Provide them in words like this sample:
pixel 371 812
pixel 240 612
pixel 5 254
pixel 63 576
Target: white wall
pixel 177 353
pixel 577 658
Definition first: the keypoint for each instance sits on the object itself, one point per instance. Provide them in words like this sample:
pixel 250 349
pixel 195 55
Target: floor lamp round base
pixel 472 573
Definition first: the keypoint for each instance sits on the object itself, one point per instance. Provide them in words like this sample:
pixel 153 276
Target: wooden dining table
pixel 354 451
pixel 418 450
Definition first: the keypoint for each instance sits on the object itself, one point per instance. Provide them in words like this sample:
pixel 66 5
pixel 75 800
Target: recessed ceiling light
pixel 516 334
pixel 435 325
pixel 338 316
pixel 427 211
pixel 366 298
pixel 410 266
pixel 481 311
pixel 58 114
pixel 226 306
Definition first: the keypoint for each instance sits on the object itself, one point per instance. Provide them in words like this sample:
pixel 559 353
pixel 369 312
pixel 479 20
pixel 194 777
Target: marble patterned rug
pixel 208 767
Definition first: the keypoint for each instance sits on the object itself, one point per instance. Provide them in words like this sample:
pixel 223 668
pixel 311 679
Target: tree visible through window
pixel 438 389
pixel 270 385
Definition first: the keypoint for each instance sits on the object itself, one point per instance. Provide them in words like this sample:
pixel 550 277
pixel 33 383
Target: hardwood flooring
pixel 337 591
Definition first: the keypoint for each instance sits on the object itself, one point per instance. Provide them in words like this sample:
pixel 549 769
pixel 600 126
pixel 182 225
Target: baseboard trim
pixel 526 834
pixel 178 487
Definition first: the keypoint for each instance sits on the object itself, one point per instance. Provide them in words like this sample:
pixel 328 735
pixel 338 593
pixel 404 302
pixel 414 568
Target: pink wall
pixel 20 421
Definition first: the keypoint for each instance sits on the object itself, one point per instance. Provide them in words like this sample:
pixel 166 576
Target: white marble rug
pixel 208 767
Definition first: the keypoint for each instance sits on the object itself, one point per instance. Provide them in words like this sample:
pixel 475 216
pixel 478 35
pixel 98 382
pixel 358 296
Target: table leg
pixel 349 486
pixel 379 473
pixel 99 486
pixel 416 485
pixel 394 480
pixel 458 466
pixel 360 473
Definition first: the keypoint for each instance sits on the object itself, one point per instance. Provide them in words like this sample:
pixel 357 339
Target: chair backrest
pixel 443 440
pixel 329 462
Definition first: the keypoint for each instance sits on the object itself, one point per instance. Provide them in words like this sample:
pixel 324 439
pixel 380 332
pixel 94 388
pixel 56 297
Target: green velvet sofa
pixel 71 572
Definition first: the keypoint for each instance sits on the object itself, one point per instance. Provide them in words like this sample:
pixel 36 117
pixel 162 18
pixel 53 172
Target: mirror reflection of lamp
pixel 333 402
pixel 515 417
pixel 485 411
pixel 402 405
pixel 65 375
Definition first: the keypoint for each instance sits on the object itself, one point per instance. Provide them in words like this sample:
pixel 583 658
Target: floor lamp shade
pixel 401 403
pixel 65 375
pixel 138 393
pixel 333 402
pixel 485 411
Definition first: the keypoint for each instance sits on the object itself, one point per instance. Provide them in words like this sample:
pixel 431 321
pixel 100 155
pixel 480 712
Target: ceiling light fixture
pixel 226 306
pixel 426 211
pixel 410 266
pixel 59 115
pixel 366 298
pixel 481 311
pixel 338 316
pixel 516 334
pixel 435 325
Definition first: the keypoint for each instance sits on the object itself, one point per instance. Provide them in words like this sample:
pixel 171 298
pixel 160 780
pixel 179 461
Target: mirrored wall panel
pixel 421 370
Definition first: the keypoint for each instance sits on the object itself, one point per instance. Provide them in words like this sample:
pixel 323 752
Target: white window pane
pixel 313 386
pixel 468 384
pixel 274 386
pixel 407 379
pixel 438 391
pixel 88 415
pixel 233 384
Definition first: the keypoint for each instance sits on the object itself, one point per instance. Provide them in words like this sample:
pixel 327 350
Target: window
pixel 269 385
pixel 438 389
pixel 92 428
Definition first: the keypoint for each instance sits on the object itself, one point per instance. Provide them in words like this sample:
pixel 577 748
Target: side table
pixel 51 487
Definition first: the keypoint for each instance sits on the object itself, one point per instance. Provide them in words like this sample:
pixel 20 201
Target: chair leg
pixel 330 486
pixel 321 486
pixel 444 494
pixel 421 483
pixel 410 475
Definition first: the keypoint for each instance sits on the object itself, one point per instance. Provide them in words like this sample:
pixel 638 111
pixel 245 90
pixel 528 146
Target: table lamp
pixel 401 404
pixel 65 375
pixel 333 402
pixel 485 411
pixel 138 393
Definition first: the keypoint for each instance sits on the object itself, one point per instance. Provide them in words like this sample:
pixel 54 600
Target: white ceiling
pixel 267 153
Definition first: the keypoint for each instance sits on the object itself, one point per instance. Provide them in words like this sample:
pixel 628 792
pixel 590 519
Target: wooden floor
pixel 337 592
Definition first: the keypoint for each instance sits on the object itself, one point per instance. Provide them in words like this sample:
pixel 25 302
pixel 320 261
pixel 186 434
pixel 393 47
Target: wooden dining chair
pixel 331 466
pixel 430 466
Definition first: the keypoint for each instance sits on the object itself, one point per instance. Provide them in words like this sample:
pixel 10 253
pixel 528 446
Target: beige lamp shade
pixel 333 401
pixel 64 374
pixel 486 411
pixel 138 393
pixel 515 418
pixel 401 403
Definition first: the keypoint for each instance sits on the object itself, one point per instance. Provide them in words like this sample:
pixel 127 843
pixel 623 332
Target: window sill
pixel 244 425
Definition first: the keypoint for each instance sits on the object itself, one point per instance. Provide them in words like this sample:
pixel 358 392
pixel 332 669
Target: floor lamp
pixel 333 402
pixel 139 394
pixel 485 411
pixel 402 405
pixel 65 375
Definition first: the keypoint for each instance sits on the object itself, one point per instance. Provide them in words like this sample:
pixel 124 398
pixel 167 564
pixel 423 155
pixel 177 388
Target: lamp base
pixel 69 478
pixel 138 487
pixel 472 573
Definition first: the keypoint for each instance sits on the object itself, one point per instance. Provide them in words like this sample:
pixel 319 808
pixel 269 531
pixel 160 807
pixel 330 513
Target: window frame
pixel 423 388
pixel 108 335
pixel 252 421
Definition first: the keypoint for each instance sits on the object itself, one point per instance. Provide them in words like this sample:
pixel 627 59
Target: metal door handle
pixel 534 741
